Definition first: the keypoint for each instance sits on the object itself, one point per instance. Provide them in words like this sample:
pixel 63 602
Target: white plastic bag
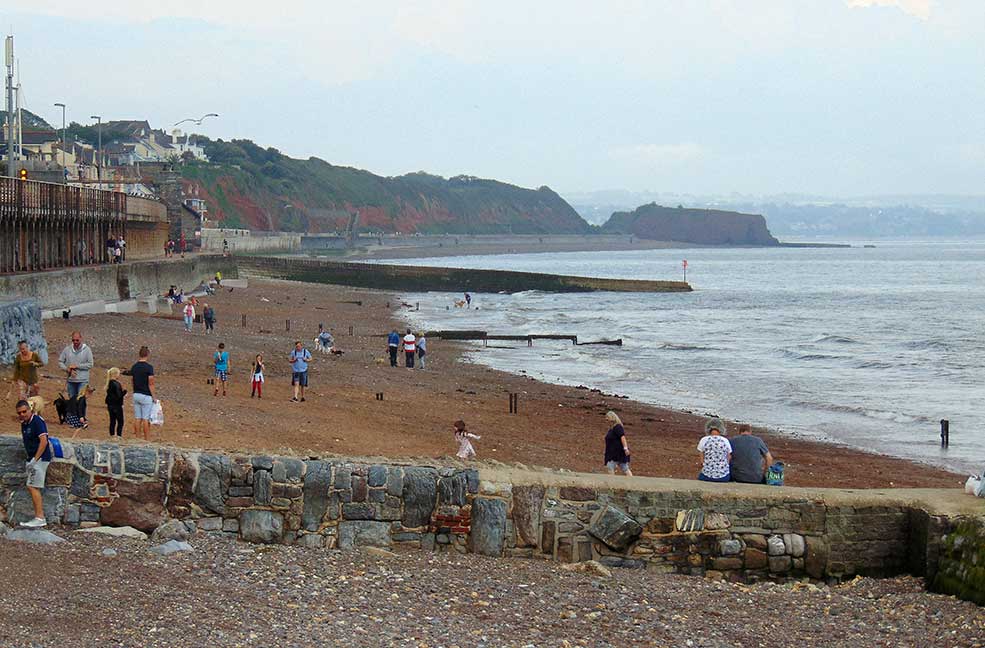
pixel 972 485
pixel 157 414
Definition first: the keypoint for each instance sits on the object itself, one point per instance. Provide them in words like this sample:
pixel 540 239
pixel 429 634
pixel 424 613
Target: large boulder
pixel 527 504
pixel 20 506
pixel 33 536
pixel 419 493
pixel 488 533
pixel 171 530
pixel 317 482
pixel 616 529
pixel 265 527
pixel 140 505
pixel 214 473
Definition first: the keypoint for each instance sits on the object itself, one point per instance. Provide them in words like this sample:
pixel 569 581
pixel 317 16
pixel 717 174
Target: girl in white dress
pixel 465 449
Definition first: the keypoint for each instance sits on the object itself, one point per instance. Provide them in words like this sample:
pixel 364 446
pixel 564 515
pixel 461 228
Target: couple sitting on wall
pixel 744 459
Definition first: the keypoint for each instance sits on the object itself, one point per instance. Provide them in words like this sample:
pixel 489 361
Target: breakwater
pixel 424 279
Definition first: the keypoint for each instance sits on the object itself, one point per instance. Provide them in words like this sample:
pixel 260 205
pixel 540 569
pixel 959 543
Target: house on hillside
pixel 185 143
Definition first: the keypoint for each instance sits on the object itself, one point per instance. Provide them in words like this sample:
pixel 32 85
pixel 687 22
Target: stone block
pixel 780 564
pixel 116 462
pixel 548 534
pixel 755 541
pixel 729 547
pixel 280 502
pixel 241 491
pixel 262 463
pixel 775 546
pixel 793 544
pixel 85 456
pixel 716 521
pixel 287 469
pixel 20 507
pixel 616 529
pixel 171 530
pixel 495 489
pixel 577 494
pixel 815 557
pixel 527 502
pixel 377 496
pixel 364 534
pixel 453 489
pixel 625 563
pixel 360 491
pixel 376 476
pixel 90 512
pixel 73 514
pixel 213 481
pixel 263 487
pixel 755 558
pixel 59 474
pixel 358 511
pixel 140 460
pixel 343 477
pixel 265 527
pixel 210 524
pixel 239 502
pixel 395 481
pixel 419 494
pixel 181 486
pixel 311 541
pixel 81 483
pixel 139 504
pixel 726 563
pixel 317 483
pixel 488 533
pixel 230 525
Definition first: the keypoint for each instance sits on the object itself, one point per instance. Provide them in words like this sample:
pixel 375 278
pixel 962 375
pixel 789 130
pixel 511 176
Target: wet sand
pixel 557 427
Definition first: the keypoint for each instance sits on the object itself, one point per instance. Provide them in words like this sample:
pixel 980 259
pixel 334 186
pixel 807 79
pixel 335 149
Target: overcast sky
pixel 833 97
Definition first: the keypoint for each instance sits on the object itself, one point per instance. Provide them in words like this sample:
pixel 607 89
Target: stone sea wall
pixel 667 526
pixel 961 569
pixel 21 320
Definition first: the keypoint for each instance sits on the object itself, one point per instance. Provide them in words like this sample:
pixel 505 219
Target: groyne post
pixel 945 433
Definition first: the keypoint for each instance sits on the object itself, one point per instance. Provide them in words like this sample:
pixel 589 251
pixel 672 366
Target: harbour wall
pixel 423 279
pixel 242 241
pixel 56 289
pixel 732 531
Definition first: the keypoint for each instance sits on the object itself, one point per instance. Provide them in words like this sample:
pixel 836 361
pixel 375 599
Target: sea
pixel 864 346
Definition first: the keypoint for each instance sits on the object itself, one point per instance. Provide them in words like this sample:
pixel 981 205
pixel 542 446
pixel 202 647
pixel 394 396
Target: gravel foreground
pixel 226 593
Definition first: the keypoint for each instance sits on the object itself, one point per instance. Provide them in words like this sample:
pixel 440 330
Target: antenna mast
pixel 9 51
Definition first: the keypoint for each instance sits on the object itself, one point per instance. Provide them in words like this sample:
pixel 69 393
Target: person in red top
pixel 410 349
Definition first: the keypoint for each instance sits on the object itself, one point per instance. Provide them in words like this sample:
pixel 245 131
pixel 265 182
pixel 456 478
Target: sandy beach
pixel 557 427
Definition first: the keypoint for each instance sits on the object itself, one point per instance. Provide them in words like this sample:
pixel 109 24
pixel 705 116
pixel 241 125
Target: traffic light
pixel 23 174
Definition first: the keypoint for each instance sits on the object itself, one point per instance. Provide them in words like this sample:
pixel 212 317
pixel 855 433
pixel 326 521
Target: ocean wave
pixel 809 357
pixel 867 412
pixel 928 345
pixel 834 339
pixel 671 346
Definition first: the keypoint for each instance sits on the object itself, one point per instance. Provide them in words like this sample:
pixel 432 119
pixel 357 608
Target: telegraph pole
pixel 9 48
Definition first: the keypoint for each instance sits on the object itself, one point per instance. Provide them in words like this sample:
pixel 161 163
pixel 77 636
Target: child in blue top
pixel 221 362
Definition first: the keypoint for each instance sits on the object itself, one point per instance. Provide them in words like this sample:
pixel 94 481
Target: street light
pixel 99 148
pixel 62 106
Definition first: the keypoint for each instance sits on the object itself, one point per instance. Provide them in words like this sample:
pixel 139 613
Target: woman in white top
pixel 410 349
pixel 716 452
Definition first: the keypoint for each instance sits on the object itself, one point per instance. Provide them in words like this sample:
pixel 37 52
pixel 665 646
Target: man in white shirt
pixel 410 348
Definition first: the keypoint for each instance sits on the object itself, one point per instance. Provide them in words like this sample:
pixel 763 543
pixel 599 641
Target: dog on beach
pixel 459 303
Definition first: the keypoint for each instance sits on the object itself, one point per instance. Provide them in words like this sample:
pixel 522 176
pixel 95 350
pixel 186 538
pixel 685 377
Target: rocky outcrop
pixel 21 320
pixel 700 226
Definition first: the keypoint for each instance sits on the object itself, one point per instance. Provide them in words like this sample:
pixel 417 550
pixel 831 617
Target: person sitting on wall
pixel 750 457
pixel 716 452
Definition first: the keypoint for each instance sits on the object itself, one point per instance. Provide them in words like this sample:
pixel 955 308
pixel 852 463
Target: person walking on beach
pixel 257 381
pixel 422 349
pixel 462 436
pixel 616 446
pixel 393 346
pixel 716 452
pixel 221 361
pixel 208 318
pixel 34 435
pixel 76 361
pixel 142 373
pixel 299 359
pixel 26 364
pixel 189 312
pixel 750 457
pixel 468 300
pixel 114 401
pixel 410 349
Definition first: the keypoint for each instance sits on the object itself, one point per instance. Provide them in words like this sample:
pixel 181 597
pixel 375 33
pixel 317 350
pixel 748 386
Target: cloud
pixel 918 8
pixel 659 154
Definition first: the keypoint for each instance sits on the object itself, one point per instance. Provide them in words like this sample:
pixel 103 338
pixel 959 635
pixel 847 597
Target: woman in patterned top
pixel 716 451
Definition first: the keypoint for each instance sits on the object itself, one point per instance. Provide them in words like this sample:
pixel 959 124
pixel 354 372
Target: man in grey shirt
pixel 750 457
pixel 76 361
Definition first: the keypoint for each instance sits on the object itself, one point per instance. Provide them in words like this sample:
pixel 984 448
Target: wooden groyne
pixel 425 279
pixel 528 338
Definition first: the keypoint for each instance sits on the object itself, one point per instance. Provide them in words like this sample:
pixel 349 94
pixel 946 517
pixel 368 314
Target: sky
pixel 823 97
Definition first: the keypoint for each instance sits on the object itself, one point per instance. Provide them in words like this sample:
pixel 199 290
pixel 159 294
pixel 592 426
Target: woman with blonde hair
pixel 616 446
pixel 114 401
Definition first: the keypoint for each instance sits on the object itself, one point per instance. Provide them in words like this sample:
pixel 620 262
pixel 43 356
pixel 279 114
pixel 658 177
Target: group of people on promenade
pixel 172 246
pixel 116 249
pixel 414 346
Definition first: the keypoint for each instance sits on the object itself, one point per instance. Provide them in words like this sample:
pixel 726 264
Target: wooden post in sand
pixel 244 320
pixel 514 403
pixel 288 326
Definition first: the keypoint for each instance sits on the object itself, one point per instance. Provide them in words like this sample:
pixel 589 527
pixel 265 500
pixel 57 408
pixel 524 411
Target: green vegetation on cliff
pixel 249 186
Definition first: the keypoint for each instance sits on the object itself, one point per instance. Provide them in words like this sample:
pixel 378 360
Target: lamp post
pixel 62 106
pixel 99 148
